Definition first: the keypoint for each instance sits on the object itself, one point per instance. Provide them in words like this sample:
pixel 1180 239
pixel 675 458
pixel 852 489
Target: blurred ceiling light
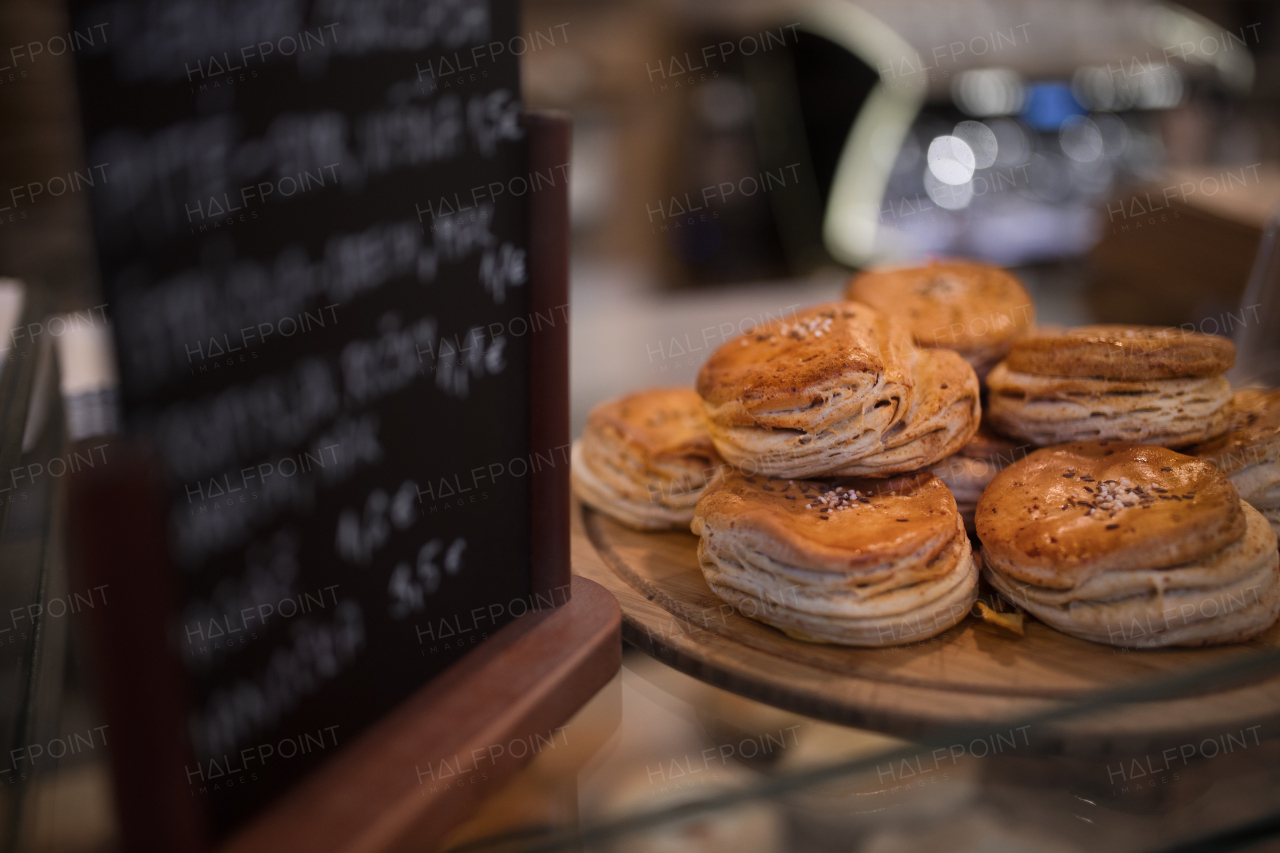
pixel 1159 88
pixel 1013 143
pixel 951 160
pixel 1094 87
pixel 1080 139
pixel 979 138
pixel 1134 86
pixel 988 91
pixel 945 195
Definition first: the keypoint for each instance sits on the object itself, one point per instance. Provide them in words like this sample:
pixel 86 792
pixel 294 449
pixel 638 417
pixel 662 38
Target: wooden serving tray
pixel 973 673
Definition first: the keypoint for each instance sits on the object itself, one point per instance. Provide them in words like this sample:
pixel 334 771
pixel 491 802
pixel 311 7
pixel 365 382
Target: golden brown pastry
pixel 973 308
pixel 1250 404
pixel 852 561
pixel 1128 383
pixel 1249 454
pixel 644 458
pixel 1114 351
pixel 840 390
pixel 1129 545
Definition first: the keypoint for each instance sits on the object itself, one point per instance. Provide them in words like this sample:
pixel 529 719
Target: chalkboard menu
pixel 311 227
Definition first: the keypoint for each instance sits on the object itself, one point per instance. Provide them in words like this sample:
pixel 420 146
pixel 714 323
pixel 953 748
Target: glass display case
pixel 662 761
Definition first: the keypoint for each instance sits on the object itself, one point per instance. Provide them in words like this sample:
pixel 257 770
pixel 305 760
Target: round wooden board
pixel 973 673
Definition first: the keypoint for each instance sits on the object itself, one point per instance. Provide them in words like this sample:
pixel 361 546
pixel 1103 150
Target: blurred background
pixel 736 159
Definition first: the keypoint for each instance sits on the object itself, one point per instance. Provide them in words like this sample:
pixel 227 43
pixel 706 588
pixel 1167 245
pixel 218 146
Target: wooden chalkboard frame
pixel 550 139
pixel 530 676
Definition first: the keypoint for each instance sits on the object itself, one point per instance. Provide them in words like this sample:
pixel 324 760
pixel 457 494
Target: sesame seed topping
pixel 1112 496
pixel 816 326
pixel 838 499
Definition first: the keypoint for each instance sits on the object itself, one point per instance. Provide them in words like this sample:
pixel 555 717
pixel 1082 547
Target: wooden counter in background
pixel 1180 249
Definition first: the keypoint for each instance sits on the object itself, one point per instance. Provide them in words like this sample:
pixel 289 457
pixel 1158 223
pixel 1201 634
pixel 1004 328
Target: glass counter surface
pixel 660 761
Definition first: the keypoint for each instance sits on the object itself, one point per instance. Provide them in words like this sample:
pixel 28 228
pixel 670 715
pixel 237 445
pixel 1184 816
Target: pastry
pixel 1129 545
pixel 1249 454
pixel 1248 405
pixel 973 308
pixel 840 390
pixel 644 459
pixel 857 562
pixel 1128 383
pixel 1114 351
pixel 973 466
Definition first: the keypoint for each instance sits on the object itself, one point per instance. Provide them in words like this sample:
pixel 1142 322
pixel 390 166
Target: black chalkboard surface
pixel 312 239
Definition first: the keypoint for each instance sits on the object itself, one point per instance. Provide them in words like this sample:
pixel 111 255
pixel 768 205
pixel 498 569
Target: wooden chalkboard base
pixel 379 796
